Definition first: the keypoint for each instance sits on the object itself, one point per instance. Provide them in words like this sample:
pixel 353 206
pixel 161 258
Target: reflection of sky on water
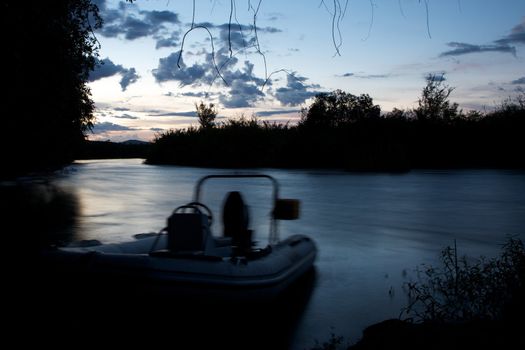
pixel 370 228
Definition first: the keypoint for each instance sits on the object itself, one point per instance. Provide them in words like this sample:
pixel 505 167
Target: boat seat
pixel 187 232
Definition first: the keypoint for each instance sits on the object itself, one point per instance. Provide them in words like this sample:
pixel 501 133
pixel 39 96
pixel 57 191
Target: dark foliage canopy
pixel 49 49
pixel 337 108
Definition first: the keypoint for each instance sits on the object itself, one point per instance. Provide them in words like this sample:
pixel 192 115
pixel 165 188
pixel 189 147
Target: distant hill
pixel 134 142
pixel 108 149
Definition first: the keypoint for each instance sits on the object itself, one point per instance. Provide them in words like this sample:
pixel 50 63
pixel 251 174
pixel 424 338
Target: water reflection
pixel 39 212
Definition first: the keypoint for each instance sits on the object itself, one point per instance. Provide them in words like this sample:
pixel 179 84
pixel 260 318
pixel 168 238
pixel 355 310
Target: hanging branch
pixel 372 12
pixel 275 72
pixel 257 45
pixel 212 49
pixel 230 27
pixel 240 26
pixel 428 18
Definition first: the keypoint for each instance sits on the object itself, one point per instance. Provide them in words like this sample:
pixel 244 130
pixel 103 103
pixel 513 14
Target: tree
pixel 434 103
pixel 50 51
pixel 338 107
pixel 206 115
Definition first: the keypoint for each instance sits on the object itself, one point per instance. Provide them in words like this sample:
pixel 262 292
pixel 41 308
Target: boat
pixel 187 258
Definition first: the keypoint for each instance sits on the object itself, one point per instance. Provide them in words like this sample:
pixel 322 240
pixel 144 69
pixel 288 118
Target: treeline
pixel 340 130
pixel 112 150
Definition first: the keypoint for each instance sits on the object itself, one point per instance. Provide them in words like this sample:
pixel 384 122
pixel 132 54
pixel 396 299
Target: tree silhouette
pixel 206 115
pixel 337 108
pixel 434 103
pixel 49 49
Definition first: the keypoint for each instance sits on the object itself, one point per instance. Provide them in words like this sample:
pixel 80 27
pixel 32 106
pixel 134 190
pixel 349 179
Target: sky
pixel 153 67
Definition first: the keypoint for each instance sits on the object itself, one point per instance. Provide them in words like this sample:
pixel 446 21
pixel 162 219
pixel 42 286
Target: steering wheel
pixel 196 207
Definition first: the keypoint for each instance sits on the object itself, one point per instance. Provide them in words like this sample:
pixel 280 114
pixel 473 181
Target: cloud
pixel 176 114
pixel 436 77
pixel 106 68
pixel 168 70
pixel 244 87
pixel 157 129
pixel 363 76
pixel 125 116
pixel 519 81
pixel 516 36
pixel 503 45
pixel 277 112
pixel 169 41
pixel 107 126
pixel 195 94
pixel 131 23
pixel 241 94
pixel 296 91
pixel 157 18
pixel 464 48
pixel 121 109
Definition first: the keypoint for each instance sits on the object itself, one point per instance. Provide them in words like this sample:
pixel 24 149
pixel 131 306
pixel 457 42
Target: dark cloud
pixel 125 116
pixel 159 17
pixel 244 87
pixel 169 41
pixel 464 48
pixel 519 81
pixel 121 109
pixel 296 91
pixel 436 77
pixel 364 76
pixel 516 36
pixel 176 114
pixel 129 22
pixel 107 126
pixel 277 112
pixel 128 77
pixel 241 94
pixel 106 68
pixel 168 70
pixel 157 129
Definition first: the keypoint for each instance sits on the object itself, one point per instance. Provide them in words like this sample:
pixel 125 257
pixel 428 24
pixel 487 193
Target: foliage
pixel 434 103
pixel 460 290
pixel 337 108
pixel 206 115
pixel 50 51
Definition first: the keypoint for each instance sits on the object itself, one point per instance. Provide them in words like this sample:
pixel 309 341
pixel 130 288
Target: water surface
pixel 372 230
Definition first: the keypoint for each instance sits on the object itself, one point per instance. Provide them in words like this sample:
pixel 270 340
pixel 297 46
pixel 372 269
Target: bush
pixel 460 290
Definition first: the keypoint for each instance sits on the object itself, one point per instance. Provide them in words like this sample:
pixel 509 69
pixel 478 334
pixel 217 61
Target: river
pixel 372 229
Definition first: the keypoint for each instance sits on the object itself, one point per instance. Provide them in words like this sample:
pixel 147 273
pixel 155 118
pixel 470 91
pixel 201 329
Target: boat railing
pixel 273 235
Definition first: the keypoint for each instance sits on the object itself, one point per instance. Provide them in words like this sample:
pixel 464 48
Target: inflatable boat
pixel 187 258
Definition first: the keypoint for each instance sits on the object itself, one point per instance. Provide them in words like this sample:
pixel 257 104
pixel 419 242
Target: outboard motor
pixel 236 219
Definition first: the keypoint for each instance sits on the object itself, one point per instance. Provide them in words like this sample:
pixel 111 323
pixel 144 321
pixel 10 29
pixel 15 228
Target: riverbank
pixel 397 334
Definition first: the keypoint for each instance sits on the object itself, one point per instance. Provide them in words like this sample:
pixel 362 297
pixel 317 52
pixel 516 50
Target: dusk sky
pixel 386 48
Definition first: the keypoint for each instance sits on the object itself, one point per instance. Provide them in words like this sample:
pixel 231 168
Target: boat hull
pixel 262 277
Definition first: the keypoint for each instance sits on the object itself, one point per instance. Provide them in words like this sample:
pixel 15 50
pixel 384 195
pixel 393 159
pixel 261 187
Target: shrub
pixel 460 290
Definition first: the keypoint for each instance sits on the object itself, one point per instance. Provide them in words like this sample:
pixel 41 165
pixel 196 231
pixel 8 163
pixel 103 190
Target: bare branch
pixel 212 49
pixel 371 20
